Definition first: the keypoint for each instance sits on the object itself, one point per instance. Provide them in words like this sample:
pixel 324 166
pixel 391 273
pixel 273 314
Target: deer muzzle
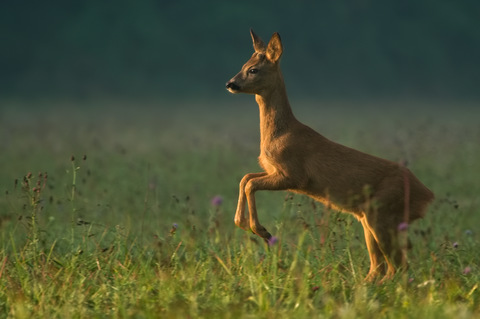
pixel 232 87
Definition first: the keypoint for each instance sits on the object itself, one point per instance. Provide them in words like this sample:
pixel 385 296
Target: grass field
pixel 127 211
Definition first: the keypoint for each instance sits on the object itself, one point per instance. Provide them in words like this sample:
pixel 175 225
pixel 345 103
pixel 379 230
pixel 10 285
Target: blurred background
pixel 150 49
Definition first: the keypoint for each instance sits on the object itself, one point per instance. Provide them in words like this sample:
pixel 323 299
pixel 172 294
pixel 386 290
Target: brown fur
pixel 380 193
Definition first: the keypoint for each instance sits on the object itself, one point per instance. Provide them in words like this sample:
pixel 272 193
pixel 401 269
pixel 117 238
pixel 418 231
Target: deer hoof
pixel 372 277
pixel 262 232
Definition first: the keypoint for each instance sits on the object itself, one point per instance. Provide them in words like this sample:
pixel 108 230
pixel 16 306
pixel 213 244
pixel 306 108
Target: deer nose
pixel 232 86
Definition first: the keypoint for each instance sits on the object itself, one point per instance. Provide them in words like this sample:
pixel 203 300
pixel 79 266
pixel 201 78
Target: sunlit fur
pixel 380 193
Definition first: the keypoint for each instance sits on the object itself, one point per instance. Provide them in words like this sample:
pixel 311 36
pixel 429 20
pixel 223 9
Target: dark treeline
pixel 165 48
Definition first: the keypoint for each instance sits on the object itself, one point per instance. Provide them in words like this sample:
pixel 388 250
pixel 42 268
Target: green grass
pixel 130 230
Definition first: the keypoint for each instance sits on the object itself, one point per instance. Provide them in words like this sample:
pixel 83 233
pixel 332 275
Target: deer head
pixel 262 70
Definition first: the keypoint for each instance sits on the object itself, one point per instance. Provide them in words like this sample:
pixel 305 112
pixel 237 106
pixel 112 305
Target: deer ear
pixel 274 49
pixel 258 44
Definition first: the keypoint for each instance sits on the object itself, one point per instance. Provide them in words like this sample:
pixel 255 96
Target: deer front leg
pixel 240 218
pixel 267 182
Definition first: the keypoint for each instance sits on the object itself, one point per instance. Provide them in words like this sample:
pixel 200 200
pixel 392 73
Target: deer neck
pixel 276 115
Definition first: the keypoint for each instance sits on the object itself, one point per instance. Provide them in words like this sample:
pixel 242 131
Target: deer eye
pixel 253 71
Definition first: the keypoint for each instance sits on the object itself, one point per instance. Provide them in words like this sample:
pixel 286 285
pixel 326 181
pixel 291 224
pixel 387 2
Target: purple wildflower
pixel 217 200
pixel 455 245
pixel 272 241
pixel 467 270
pixel 402 226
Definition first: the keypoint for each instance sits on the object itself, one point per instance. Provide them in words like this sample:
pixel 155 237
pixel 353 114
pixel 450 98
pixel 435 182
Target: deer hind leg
pixel 384 231
pixel 377 260
pixel 240 217
pixel 267 182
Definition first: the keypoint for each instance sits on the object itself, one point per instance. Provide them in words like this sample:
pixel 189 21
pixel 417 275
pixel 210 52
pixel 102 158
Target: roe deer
pixel 381 194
